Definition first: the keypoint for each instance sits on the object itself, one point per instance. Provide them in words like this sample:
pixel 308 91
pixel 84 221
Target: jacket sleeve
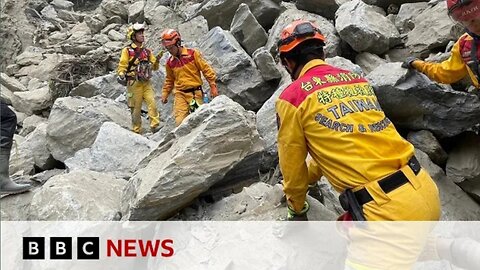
pixel 154 61
pixel 292 151
pixel 123 63
pixel 206 69
pixel 314 171
pixel 449 71
pixel 169 81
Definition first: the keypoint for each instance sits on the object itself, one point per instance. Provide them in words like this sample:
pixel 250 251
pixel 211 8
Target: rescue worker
pixel 135 71
pixel 464 60
pixel 183 72
pixel 8 124
pixel 334 115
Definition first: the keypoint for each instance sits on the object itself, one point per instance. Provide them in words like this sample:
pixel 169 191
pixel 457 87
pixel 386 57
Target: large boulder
pixel 404 21
pixel 464 159
pixel 111 8
pixel 344 63
pixel 369 61
pixel 425 141
pixel 324 8
pixel 267 124
pixel 332 47
pixel 115 150
pixel 106 85
pixel 246 29
pixel 237 75
pixel 78 195
pixel 265 11
pixel 266 64
pixel 32 102
pixel 135 12
pixel 433 29
pixel 365 29
pixel 11 83
pixel 414 102
pixel 35 145
pixel 74 123
pixel 456 204
pixel 194 157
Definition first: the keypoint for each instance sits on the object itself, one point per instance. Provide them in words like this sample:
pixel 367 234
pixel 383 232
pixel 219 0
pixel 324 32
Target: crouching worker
pixel 135 71
pixel 334 115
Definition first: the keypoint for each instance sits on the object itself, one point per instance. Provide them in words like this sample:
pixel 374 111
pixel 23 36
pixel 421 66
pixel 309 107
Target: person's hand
pixel 408 63
pixel 213 91
pixel 164 100
pixel 298 216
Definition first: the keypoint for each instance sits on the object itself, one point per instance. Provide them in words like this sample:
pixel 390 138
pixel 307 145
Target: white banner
pixel 239 245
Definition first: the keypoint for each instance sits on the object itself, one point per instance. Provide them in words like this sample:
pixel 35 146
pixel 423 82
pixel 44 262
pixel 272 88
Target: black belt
pixel 390 182
pixel 192 90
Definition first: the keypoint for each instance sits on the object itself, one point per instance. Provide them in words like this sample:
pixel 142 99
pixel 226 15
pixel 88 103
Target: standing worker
pixel 8 124
pixel 465 55
pixel 135 71
pixel 183 73
pixel 333 115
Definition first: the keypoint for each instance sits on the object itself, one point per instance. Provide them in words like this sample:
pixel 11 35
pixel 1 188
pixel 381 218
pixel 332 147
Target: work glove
pixel 160 54
pixel 408 63
pixel 121 79
pixel 301 216
pixel 164 100
pixel 213 91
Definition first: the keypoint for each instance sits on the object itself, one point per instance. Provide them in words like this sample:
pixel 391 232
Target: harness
pixel 470 52
pixel 143 70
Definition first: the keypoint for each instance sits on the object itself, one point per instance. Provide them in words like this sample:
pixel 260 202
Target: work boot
pixel 7 186
pixel 155 129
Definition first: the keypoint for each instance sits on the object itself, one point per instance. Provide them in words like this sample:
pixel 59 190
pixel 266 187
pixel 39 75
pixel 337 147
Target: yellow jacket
pixel 334 115
pixel 127 55
pixel 184 72
pixel 454 68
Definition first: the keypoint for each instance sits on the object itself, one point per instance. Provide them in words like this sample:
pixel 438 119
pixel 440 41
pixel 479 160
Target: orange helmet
pixel 170 37
pixel 463 10
pixel 297 32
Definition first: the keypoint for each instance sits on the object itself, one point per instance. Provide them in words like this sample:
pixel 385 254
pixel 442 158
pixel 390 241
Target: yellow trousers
pixel 138 91
pixel 181 104
pixel 417 200
pixel 395 245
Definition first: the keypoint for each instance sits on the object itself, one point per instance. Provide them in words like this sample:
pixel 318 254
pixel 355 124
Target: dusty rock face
pixel 259 201
pixel 456 204
pixel 88 115
pixel 425 141
pixel 246 29
pixel 79 195
pixel 375 35
pixel 207 145
pixel 116 150
pixel 265 11
pixel 411 100
pixel 332 47
pixel 238 77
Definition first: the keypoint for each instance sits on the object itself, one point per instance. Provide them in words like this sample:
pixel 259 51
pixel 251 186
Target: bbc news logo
pixel 88 248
